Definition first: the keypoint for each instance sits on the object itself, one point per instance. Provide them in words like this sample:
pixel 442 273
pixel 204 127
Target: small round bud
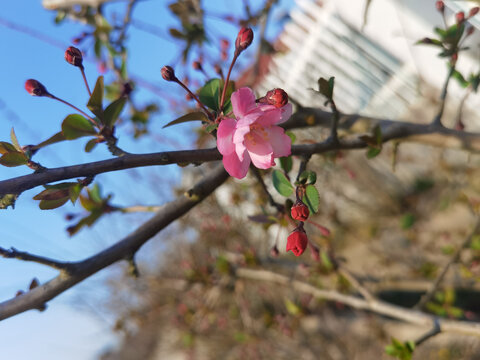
pixel 74 56
pixel 277 98
pixel 426 41
pixel 244 39
pixel 168 73
pixel 197 65
pixel 300 211
pixel 297 241
pixel 473 11
pixel 440 5
pixel 35 88
pixel 460 17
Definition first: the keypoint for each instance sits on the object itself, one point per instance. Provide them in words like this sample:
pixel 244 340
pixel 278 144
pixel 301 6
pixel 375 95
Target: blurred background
pixel 394 225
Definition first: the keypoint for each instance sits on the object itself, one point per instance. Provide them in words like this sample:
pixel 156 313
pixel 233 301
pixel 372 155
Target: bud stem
pixel 92 121
pixel 85 80
pixel 227 79
pixel 209 114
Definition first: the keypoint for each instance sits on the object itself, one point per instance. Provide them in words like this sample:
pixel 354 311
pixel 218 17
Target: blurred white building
pixel 377 67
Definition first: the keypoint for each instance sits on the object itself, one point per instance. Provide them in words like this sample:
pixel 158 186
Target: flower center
pixel 257 132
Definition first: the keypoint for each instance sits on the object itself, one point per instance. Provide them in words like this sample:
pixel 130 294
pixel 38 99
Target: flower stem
pixel 209 114
pixel 85 80
pixel 92 121
pixel 227 79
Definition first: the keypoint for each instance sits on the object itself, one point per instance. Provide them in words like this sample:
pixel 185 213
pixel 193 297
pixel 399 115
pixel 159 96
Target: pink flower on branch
pixel 254 135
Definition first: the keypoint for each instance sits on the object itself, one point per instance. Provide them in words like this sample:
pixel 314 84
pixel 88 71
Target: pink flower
pixel 254 136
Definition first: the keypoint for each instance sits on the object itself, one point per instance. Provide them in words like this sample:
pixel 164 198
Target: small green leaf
pixel 112 112
pixel 281 183
pixel 53 194
pixel 14 158
pixel 15 143
pixel 307 177
pixel 373 152
pixel 74 192
pixel 90 145
pixel 312 198
pixel 75 126
pixel 53 139
pixel 461 80
pixel 331 85
pixel 94 194
pixel 194 116
pixel 209 94
pixel 324 87
pixel 52 204
pixel 177 34
pixel 286 163
pixel 7 200
pixel 210 128
pixel 407 221
pixel 292 308
pixel 6 147
pixel 95 104
pixel 291 135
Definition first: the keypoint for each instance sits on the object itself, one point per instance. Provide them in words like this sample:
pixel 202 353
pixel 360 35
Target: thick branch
pixel 123 250
pixel 376 306
pixel 432 135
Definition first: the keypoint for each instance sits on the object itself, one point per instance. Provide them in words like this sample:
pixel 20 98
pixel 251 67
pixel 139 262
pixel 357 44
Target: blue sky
pixel 74 327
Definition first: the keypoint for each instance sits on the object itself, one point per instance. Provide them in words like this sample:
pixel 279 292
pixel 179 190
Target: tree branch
pixel 20 255
pixel 434 287
pixel 306 117
pixel 375 306
pixel 123 250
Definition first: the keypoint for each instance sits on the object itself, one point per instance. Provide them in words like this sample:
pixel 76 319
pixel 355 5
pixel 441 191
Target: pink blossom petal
pixel 239 140
pixel 225 133
pixel 281 143
pixel 243 101
pixel 235 167
pixel 286 113
pixel 269 118
pixel 250 118
pixel 260 150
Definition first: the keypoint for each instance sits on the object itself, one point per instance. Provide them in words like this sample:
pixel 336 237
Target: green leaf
pixel 407 221
pixel 292 308
pixel 373 152
pixel 461 80
pixel 6 147
pixel 281 183
pixel 209 94
pixel 7 200
pixel 177 34
pixel 95 104
pixel 399 350
pixel 312 198
pixel 14 158
pixel 74 192
pixel 307 177
pixel 210 128
pixel 291 135
pixel 325 87
pixel 52 204
pixel 286 163
pixel 53 139
pixel 94 194
pixel 194 116
pixel 75 126
pixel 53 194
pixel 112 112
pixel 15 143
pixel 90 145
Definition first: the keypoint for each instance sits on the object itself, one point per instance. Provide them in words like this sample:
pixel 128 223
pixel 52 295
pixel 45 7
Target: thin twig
pixel 429 334
pixel 335 119
pixel 13 253
pixel 271 200
pixel 355 283
pixel 375 306
pixel 431 292
pixel 437 121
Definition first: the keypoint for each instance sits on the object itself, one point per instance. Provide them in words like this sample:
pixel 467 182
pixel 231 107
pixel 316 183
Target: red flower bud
pixel 277 98
pixel 168 73
pixel 300 211
pixel 297 241
pixel 244 39
pixel 473 11
pixel 197 65
pixel 35 88
pixel 440 5
pixel 74 56
pixel 460 17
